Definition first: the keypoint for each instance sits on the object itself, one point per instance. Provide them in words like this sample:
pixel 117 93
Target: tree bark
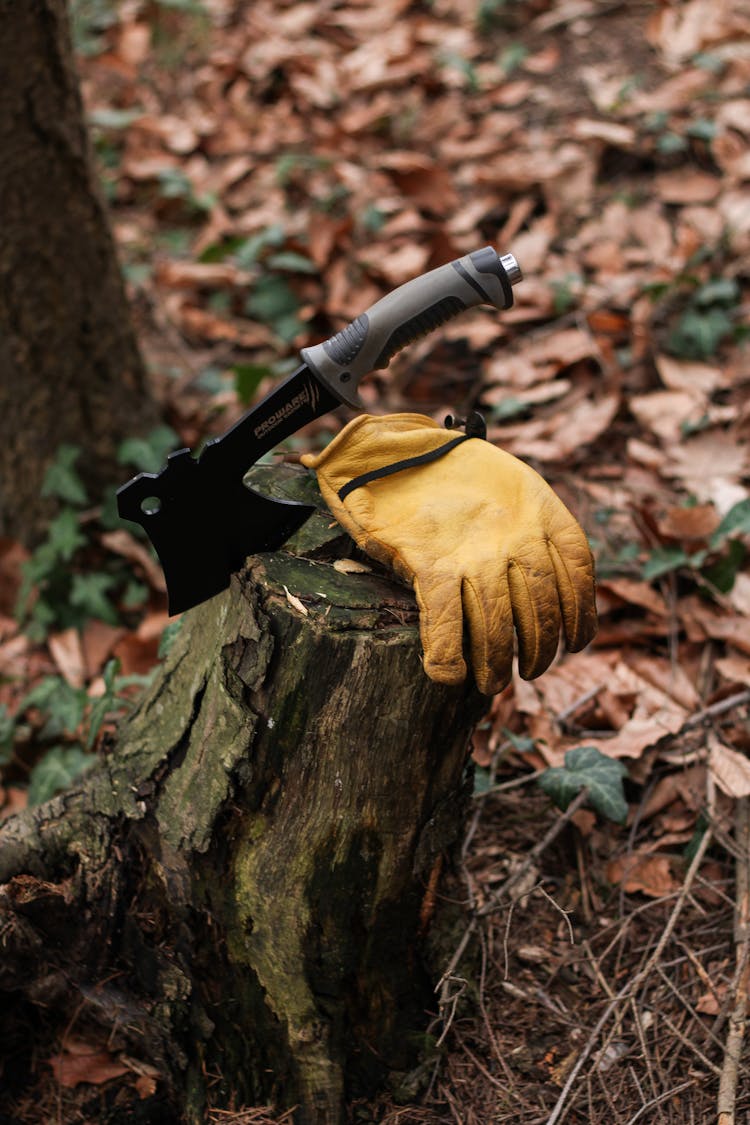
pixel 70 369
pixel 235 892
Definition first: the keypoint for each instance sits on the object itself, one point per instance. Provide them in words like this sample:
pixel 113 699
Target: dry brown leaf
pixel 14 656
pixel 99 640
pixel 638 873
pixel 716 623
pixel 711 465
pixel 688 375
pixel 687 786
pixel 734 667
pixel 82 1062
pixel 12 558
pixel 698 522
pixel 14 799
pixel 730 769
pixel 66 650
pixel 633 592
pixel 121 542
pixel 295 603
pixel 579 427
pixel 683 30
pixel 351 566
pixel 192 275
pixel 739 595
pixel 666 412
pixel 710 1003
pixel 687 186
pixel 139 651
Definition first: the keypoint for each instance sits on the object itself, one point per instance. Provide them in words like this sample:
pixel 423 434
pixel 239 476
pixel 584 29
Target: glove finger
pixel 536 610
pixel 490 620
pixel 441 628
pixel 574 571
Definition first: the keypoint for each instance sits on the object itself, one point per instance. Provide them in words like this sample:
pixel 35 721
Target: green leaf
pixel 58 768
pixel 64 537
pixel 7 734
pixel 169 636
pixel 482 781
pixel 662 560
pixel 520 744
pixel 699 332
pixel 703 129
pixel 247 379
pixel 292 262
pixel 148 454
pixel 108 117
pixel 735 522
pixel 722 574
pixel 61 705
pixel 90 594
pixel 61 479
pixel 586 767
pixel 271 299
pixel 276 304
pixel 252 248
pixel 719 291
pixel 105 703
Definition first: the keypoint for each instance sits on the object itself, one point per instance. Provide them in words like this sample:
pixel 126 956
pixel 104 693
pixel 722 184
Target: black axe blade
pixel 200 517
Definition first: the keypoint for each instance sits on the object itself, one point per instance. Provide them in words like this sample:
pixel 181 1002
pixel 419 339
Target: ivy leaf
pixel 586 767
pixel 7 731
pixel 149 453
pixel 662 560
pixel 735 522
pixel 247 379
pixel 62 705
pixel 64 537
pixel 58 768
pixel 89 593
pixel 61 479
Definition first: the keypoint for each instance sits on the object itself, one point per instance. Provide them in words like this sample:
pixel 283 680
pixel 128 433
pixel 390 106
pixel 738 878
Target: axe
pixel 200 517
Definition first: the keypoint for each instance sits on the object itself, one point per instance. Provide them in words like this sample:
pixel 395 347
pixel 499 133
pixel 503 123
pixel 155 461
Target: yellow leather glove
pixel 477 532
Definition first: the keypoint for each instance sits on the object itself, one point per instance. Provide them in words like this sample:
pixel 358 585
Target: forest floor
pixel 271 169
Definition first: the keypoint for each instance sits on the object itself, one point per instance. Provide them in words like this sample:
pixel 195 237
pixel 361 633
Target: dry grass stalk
pixel 738 1019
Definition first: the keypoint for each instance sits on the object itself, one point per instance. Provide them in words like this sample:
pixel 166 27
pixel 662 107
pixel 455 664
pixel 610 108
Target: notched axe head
pixel 203 528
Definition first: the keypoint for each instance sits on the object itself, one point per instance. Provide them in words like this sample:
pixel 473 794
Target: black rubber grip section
pixel 346 345
pixel 420 325
pixel 487 260
pixel 399 466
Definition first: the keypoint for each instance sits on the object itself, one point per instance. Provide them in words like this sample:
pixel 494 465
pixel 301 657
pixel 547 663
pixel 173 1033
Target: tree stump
pixel 233 894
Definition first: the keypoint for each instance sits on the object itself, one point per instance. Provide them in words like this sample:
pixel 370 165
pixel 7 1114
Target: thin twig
pixel 738 1019
pixel 661 1098
pixel 494 902
pixel 716 709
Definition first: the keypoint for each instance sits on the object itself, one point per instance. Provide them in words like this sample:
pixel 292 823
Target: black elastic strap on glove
pixel 399 466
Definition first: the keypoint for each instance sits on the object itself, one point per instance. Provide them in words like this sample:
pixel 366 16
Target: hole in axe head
pixel 150 505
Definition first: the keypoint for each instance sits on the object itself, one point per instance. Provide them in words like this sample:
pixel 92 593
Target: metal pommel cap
pixel 512 269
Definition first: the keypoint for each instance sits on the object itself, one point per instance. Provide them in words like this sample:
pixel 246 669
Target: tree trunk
pixel 70 369
pixel 234 894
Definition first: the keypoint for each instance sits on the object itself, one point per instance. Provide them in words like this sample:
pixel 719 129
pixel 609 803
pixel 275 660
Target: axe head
pixel 203 526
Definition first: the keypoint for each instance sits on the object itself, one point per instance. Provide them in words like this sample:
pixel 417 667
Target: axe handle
pixel 409 312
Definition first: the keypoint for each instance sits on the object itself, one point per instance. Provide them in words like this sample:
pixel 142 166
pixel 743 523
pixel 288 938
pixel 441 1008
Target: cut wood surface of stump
pixel 233 895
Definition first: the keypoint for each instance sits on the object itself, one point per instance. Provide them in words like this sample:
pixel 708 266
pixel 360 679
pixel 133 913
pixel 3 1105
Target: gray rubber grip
pixel 408 313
